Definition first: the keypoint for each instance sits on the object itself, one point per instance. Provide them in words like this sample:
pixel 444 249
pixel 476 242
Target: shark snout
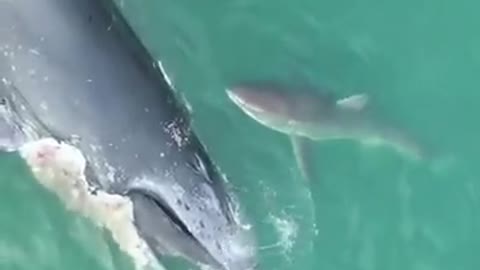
pixel 261 102
pixel 245 99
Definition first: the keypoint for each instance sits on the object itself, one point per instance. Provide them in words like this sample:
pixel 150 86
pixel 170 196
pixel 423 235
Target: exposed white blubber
pixel 60 167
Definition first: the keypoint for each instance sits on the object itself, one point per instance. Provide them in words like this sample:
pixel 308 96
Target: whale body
pixel 74 70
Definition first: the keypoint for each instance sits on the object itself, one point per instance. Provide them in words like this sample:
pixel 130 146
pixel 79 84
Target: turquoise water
pixel 374 209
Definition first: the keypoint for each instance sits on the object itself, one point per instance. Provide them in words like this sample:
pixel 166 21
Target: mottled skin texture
pixel 73 68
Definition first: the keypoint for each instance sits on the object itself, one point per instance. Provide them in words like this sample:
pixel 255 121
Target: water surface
pixel 374 209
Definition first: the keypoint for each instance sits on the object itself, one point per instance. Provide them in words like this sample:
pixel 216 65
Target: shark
pixel 305 115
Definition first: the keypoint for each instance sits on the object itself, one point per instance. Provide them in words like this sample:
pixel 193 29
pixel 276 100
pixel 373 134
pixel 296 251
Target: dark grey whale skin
pixel 75 70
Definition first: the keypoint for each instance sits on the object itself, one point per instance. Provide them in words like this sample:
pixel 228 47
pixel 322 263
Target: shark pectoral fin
pixel 302 154
pixel 355 102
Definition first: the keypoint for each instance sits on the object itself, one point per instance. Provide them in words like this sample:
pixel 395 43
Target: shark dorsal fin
pixel 356 102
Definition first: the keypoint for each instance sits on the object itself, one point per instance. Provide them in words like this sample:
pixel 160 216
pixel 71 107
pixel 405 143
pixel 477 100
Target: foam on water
pixel 287 230
pixel 60 167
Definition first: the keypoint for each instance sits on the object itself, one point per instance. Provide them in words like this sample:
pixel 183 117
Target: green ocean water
pixel 419 61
